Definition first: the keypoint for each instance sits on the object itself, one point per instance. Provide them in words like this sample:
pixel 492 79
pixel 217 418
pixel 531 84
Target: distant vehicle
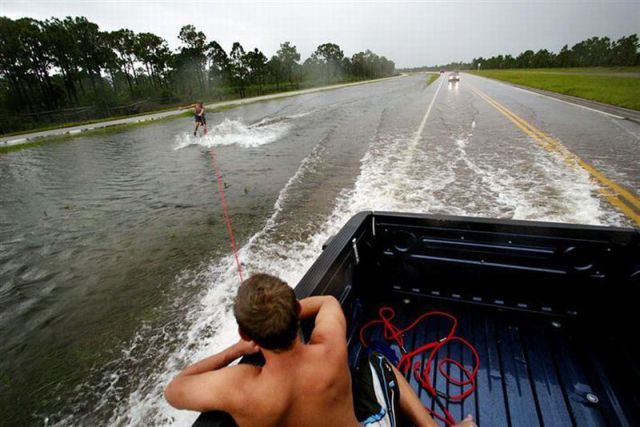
pixel 454 77
pixel 442 71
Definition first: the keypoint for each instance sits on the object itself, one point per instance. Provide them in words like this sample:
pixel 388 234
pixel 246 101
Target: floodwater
pixel 115 266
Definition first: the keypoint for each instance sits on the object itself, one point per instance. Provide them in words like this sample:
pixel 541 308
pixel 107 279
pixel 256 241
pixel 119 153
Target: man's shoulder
pixel 239 384
pixel 245 371
pixel 328 348
pixel 330 334
pixel 235 377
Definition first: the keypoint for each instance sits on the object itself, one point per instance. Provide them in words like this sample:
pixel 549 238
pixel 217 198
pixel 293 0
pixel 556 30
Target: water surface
pixel 115 266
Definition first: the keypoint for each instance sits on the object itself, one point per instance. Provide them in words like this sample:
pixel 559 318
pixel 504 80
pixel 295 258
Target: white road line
pixel 635 135
pixel 615 116
pixel 416 138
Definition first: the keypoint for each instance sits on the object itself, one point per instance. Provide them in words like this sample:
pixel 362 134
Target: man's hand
pixel 222 359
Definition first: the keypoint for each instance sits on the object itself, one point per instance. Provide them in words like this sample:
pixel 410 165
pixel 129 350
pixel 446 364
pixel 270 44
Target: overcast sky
pixel 409 33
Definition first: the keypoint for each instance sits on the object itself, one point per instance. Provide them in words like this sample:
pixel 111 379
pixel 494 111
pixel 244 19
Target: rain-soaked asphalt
pixel 115 268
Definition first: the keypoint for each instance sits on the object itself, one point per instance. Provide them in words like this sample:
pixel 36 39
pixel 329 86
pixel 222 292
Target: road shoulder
pixel 611 110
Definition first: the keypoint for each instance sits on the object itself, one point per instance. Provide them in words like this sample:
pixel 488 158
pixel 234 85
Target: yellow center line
pixel 618 196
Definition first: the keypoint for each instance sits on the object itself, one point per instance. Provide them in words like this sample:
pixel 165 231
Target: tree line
pixel 70 65
pixel 593 52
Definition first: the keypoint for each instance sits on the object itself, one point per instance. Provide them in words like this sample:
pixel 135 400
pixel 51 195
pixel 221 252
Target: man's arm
pixel 194 387
pixel 330 323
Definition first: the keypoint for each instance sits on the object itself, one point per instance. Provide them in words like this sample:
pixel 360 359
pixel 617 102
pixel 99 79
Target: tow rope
pixel 225 210
pixel 423 373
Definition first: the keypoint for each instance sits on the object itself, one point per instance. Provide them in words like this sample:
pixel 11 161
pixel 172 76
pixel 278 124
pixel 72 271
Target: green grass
pixel 100 131
pixel 586 70
pixel 613 86
pixel 432 77
pixel 85 122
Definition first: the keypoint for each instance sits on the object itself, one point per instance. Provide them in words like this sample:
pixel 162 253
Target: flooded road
pixel 115 266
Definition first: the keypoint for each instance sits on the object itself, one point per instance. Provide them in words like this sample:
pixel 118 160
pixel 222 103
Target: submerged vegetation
pixel 59 71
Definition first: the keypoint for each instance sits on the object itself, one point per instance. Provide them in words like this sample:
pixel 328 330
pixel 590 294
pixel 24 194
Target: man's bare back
pixel 307 384
pixel 311 386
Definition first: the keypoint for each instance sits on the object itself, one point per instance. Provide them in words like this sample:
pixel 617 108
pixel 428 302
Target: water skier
pixel 199 116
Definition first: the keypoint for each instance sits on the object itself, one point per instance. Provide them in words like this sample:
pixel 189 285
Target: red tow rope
pixel 423 373
pixel 225 211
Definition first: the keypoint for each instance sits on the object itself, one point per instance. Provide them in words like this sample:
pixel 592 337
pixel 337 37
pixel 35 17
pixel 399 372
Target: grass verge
pixel 432 77
pixel 86 122
pixel 590 70
pixel 68 137
pixel 612 86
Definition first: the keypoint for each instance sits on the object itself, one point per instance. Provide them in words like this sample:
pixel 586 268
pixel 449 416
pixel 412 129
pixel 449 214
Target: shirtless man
pixel 199 116
pixel 300 384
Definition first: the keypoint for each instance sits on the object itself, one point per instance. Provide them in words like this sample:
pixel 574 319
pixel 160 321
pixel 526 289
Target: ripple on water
pixel 141 203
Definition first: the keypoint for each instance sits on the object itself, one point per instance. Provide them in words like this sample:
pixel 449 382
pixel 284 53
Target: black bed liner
pixel 551 309
pixel 533 372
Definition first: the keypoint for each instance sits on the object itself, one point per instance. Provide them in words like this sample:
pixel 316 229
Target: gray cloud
pixel 409 33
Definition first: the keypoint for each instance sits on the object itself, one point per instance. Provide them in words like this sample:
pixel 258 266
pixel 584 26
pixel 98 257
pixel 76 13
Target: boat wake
pixel 234 132
pixel 536 186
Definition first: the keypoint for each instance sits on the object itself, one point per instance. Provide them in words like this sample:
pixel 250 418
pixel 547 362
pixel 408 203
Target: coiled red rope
pixel 423 373
pixel 225 211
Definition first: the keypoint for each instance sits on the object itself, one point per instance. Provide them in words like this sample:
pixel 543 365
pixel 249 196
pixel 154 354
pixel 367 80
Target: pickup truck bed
pixel 550 308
